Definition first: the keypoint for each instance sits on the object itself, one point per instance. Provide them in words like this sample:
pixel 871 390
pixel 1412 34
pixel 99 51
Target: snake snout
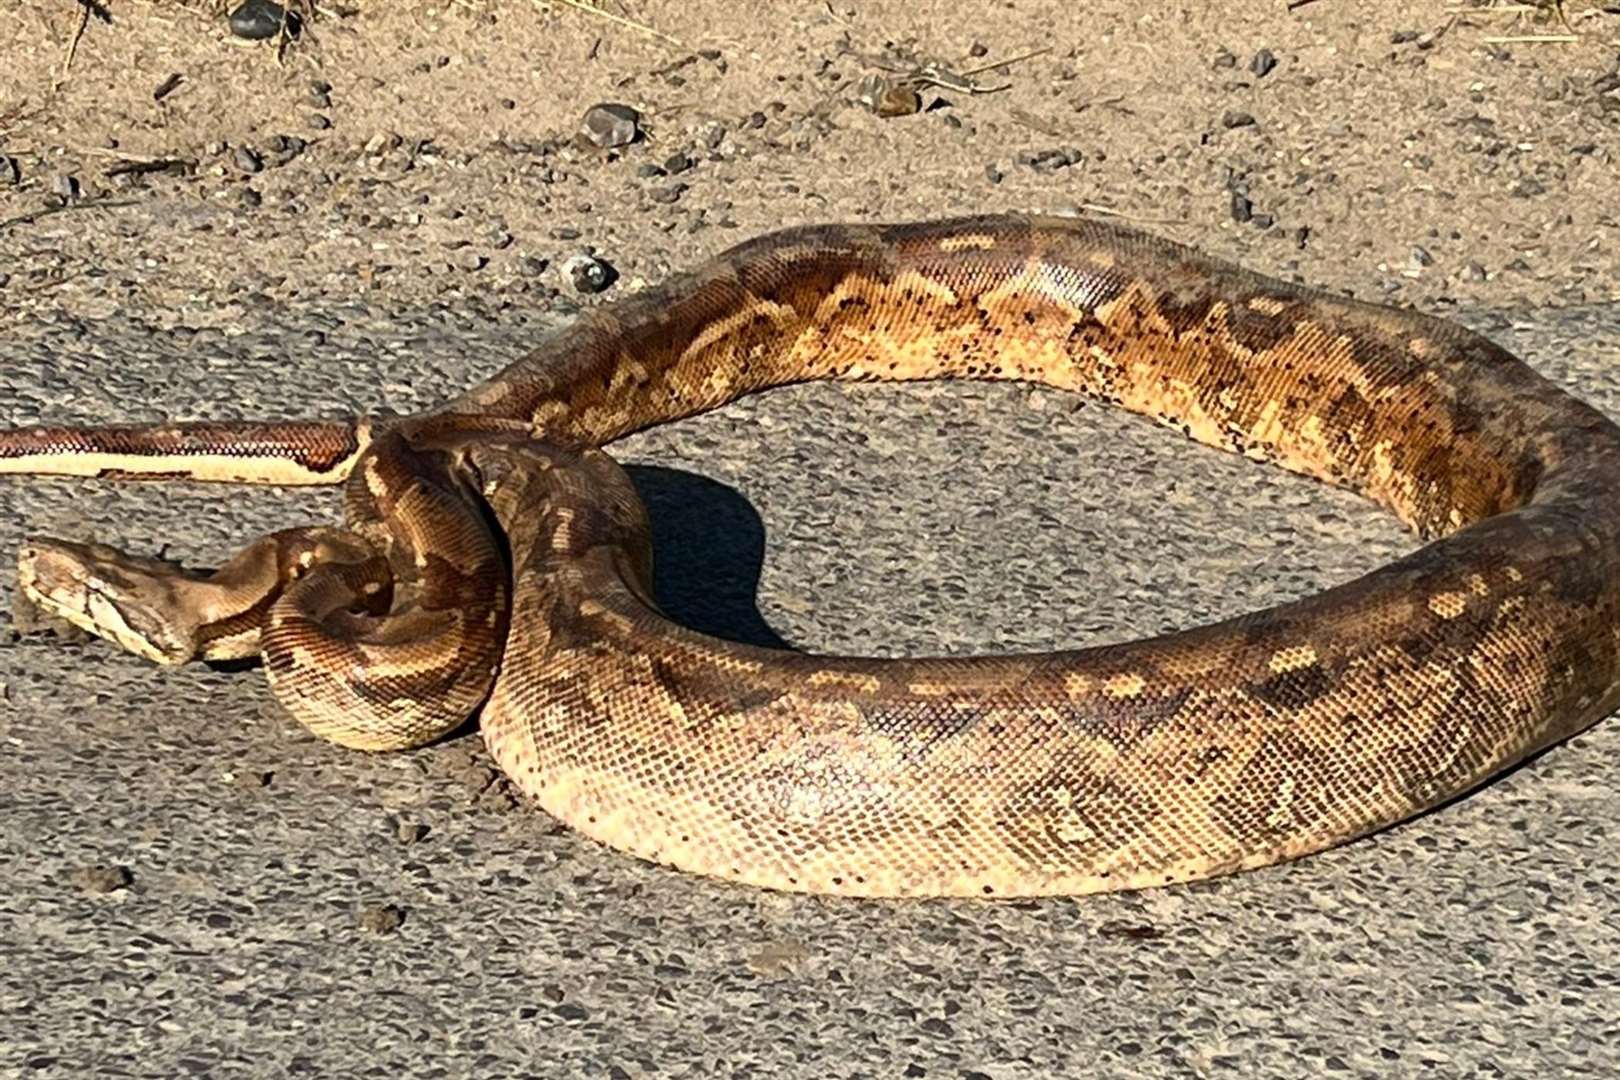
pixel 125 599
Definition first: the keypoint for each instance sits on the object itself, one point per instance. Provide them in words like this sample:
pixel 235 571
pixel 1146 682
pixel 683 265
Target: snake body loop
pixel 496 555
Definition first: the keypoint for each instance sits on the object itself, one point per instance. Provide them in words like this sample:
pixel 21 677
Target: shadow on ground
pixel 708 550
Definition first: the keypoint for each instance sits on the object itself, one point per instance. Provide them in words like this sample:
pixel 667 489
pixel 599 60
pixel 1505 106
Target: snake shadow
pixel 708 550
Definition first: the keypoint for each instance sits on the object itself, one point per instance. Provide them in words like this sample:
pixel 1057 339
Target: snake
pixel 495 562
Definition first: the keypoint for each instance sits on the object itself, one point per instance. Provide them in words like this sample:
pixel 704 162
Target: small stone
pixel 1242 208
pixel 65 187
pixel 1224 59
pixel 320 93
pixel 1263 221
pixel 10 171
pixel 886 98
pixel 1529 187
pixel 1262 63
pixel 589 274
pixel 649 170
pixel 258 20
pixel 756 120
pixel 317 122
pixel 251 199
pixel 678 163
pixel 1236 118
pixel 247 159
pixel 102 879
pixel 1476 272
pixel 1421 257
pixel 1403 37
pixel 712 134
pixel 471 260
pixel 1302 236
pixel 410 832
pixel 382 142
pixel 610 124
pixel 667 193
pixel 993 174
pixel 570 1011
pixel 535 264
pixel 381 918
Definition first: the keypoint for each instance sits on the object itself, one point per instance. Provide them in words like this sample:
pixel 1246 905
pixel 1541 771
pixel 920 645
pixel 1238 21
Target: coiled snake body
pixel 494 557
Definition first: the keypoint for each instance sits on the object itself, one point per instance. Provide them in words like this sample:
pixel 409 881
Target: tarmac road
pixel 1480 940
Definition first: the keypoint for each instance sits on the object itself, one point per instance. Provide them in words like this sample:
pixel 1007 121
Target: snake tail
pixel 291 452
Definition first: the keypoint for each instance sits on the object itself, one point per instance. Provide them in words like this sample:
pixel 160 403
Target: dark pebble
pixel 1402 37
pixel 1529 187
pixel 247 159
pixel 65 187
pixel 1263 62
pixel 590 275
pixel 566 232
pixel 1476 272
pixel 1302 236
pixel 993 174
pixel 611 124
pixel 1421 256
pixel 1224 59
pixel 650 170
pixel 1242 208
pixel 1263 221
pixel 317 122
pixel 251 199
pixel 257 20
pixel 1236 118
pixel 755 120
pixel 570 1011
pixel 678 162
pixel 10 171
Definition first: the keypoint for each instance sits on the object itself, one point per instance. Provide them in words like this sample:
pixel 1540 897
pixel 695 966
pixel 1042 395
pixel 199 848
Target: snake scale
pixel 494 560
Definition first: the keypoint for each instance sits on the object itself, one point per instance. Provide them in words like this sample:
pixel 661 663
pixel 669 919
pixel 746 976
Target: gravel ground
pixel 192 884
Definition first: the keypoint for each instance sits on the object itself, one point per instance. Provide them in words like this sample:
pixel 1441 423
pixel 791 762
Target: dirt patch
pixel 413 151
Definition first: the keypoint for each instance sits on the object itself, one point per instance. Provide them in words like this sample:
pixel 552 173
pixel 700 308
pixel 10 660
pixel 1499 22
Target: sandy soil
pixel 412 151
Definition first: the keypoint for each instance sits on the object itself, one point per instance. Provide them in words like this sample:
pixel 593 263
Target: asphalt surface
pixel 293 908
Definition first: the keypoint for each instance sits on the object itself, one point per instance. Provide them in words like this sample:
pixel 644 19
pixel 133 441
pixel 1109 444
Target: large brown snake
pixel 494 556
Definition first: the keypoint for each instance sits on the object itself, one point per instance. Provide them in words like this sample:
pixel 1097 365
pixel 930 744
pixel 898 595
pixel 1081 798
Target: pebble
pixel 10 171
pixel 317 122
pixel 1263 62
pixel 667 193
pixel 247 159
pixel 257 20
pixel 1224 59
pixel 611 124
pixel 320 94
pixel 589 274
pixel 1529 187
pixel 65 187
pixel 878 95
pixel 383 141
pixel 102 879
pixel 381 918
pixel 1242 208
pixel 1237 118
pixel 712 134
pixel 1421 256
pixel 678 162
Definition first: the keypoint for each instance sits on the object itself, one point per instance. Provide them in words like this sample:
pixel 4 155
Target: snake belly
pixel 1225 747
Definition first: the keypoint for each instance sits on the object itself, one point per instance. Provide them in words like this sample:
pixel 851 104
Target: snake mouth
pixel 105 592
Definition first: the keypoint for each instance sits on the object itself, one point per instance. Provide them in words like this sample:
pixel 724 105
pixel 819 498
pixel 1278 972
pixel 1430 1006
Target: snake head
pixel 127 599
